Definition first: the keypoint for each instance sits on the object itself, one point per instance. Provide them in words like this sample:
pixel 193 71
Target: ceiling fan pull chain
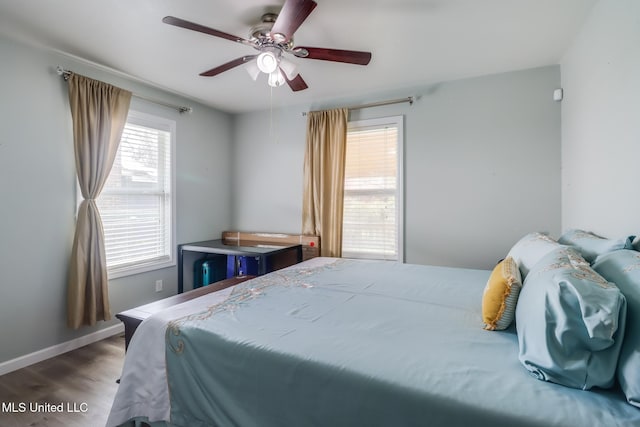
pixel 274 132
pixel 271 113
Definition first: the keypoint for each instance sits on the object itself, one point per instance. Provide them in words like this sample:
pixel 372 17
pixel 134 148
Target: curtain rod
pixel 67 73
pixel 409 99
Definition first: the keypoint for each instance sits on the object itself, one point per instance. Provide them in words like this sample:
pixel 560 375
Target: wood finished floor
pixel 84 376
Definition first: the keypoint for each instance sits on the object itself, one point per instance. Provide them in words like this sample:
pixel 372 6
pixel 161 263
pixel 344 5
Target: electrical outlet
pixel 158 285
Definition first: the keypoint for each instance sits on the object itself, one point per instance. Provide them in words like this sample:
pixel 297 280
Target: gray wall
pixel 268 155
pixel 601 122
pixel 38 199
pixel 482 166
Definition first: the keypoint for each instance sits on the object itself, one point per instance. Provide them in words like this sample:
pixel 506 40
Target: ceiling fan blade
pixel 297 83
pixel 337 55
pixel 229 65
pixel 172 20
pixel 292 15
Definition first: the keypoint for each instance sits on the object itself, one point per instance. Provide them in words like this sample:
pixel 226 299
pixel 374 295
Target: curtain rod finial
pixel 64 73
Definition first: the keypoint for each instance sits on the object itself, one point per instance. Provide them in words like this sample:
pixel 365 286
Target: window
pixel 372 223
pixel 137 201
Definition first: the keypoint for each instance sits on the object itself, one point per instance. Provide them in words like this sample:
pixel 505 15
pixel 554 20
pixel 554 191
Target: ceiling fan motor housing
pixel 262 30
pixel 261 35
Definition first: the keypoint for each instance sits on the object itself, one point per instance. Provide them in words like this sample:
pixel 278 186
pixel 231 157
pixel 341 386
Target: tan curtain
pixel 99 113
pixel 323 196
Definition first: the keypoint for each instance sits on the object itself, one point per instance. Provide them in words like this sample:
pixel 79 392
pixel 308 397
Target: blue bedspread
pixel 364 343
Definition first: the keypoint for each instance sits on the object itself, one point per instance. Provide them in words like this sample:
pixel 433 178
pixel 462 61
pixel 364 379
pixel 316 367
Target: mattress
pixel 336 342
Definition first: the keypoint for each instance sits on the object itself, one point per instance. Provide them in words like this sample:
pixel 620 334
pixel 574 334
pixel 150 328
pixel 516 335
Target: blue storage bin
pixel 242 265
pixel 209 270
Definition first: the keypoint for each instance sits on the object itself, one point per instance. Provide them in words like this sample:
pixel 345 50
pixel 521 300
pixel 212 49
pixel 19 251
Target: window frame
pixel 161 123
pixel 398 123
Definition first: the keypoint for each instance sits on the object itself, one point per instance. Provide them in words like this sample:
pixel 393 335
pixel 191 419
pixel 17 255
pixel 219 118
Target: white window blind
pixel 136 203
pixel 373 190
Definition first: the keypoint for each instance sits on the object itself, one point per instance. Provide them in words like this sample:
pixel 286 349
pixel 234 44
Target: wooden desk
pixel 133 317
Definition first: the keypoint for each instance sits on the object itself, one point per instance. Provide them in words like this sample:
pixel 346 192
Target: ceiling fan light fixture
pixel 253 70
pixel 276 79
pixel 288 68
pixel 267 62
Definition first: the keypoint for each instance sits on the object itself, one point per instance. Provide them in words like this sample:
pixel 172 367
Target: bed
pixel 336 342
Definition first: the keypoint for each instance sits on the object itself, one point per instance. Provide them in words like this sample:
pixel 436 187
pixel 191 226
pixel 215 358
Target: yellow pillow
pixel 501 295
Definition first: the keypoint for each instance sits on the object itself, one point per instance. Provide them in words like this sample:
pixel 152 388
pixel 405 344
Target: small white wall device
pixel 557 95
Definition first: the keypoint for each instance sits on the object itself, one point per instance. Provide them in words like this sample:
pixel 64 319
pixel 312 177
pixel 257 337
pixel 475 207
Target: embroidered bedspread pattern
pixel 363 343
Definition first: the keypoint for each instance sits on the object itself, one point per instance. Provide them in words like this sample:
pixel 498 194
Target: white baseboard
pixel 58 349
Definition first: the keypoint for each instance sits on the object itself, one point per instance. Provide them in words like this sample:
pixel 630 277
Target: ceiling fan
pixel 272 38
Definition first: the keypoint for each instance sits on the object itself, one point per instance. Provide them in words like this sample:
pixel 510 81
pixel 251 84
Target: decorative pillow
pixel 530 249
pixel 501 295
pixel 570 322
pixel 591 245
pixel 623 268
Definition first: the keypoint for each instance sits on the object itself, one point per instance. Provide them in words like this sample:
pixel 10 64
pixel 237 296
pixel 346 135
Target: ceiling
pixel 413 42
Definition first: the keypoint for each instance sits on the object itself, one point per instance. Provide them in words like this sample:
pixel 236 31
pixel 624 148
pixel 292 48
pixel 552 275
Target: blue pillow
pixel 570 322
pixel 623 268
pixel 591 245
pixel 530 249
